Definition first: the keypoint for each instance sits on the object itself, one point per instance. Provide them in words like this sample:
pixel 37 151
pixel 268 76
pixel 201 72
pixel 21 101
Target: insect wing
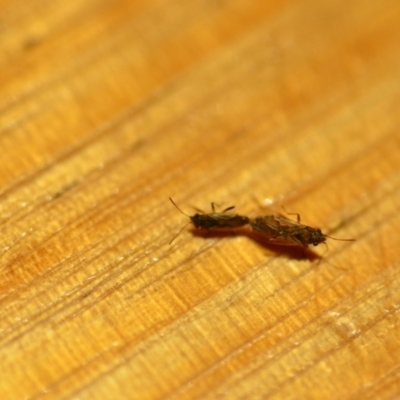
pixel 278 230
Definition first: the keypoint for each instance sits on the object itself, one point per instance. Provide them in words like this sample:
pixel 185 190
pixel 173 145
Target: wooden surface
pixel 110 107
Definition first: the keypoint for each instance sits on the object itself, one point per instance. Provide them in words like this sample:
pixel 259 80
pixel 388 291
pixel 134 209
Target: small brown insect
pixel 214 220
pixel 285 232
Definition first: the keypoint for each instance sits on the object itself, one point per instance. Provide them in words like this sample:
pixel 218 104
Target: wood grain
pixel 110 107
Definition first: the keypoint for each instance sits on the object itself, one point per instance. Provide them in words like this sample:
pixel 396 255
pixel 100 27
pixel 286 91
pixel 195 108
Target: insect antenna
pixel 178 208
pixel 342 240
pixel 180 230
pixel 183 227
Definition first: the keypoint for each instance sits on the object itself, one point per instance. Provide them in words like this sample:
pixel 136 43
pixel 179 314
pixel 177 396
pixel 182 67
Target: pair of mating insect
pixel 275 229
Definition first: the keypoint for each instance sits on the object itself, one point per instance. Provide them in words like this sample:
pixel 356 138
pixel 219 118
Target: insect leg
pixel 297 214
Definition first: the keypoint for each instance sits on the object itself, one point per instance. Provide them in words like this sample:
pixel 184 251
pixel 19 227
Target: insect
pixel 214 220
pixel 282 231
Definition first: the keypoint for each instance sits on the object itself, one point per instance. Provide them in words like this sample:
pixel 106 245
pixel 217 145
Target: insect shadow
pixel 293 252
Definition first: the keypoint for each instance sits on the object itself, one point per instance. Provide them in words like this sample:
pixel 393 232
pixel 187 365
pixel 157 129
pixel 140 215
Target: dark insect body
pixel 285 232
pixel 214 220
pixel 274 228
pixel 221 220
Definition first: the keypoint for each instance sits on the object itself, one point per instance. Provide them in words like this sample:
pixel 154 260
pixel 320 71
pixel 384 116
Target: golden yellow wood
pixel 110 107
